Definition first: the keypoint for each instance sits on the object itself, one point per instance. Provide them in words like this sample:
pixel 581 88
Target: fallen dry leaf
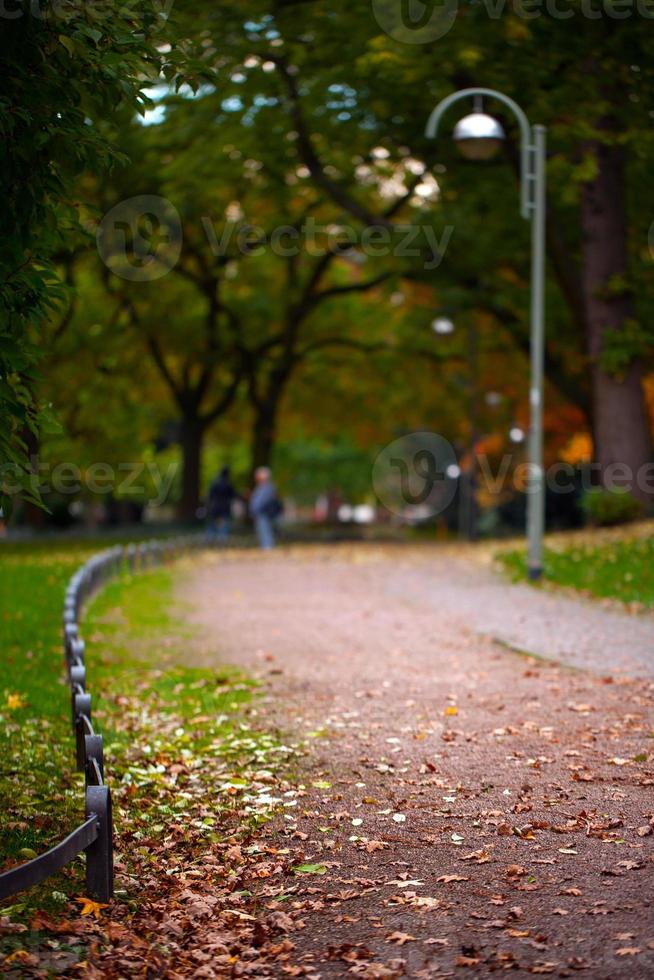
pixel 480 857
pixel 467 961
pixel 400 938
pixel 89 907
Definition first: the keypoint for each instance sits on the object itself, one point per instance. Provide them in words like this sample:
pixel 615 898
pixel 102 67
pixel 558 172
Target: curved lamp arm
pixel 526 141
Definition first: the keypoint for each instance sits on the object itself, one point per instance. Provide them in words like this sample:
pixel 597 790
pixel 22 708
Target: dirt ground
pixel 461 807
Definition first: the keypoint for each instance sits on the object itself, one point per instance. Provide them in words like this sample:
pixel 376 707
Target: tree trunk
pixel 263 435
pixel 35 517
pixel 621 429
pixel 191 439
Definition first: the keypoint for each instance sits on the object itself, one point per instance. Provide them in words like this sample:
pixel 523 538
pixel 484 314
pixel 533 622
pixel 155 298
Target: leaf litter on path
pixel 242 860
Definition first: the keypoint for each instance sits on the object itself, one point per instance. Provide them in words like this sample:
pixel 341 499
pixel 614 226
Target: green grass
pixel 621 569
pixel 143 694
pixel 142 639
pixel 40 792
pixel 32 584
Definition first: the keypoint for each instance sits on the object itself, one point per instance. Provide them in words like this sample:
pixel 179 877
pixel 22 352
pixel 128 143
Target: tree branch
pixel 311 158
pixel 160 361
pixel 353 287
pixel 223 403
pixel 349 342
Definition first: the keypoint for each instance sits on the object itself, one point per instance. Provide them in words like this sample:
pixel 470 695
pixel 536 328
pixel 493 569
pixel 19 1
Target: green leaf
pixel 68 43
pixel 310 869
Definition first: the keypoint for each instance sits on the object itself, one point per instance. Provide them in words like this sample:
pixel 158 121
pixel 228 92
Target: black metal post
pixel 99 854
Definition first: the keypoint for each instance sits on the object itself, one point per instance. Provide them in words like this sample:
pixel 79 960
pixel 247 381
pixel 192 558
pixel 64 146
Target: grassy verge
pixel 613 565
pixel 187 770
pixel 40 792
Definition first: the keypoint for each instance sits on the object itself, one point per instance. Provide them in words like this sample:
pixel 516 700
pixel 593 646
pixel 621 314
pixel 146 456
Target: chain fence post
pixel 99 854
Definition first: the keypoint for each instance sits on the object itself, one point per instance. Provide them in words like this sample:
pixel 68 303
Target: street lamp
pixel 478 136
pixel 443 325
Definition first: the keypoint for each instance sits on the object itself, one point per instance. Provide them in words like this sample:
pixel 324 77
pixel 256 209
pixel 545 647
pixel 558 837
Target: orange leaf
pixel 400 938
pixel 89 907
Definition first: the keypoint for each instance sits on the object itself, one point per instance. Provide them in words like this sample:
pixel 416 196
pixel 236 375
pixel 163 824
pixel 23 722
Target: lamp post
pixel 478 136
pixel 442 325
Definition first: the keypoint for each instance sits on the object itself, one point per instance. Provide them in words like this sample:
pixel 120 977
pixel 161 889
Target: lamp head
pixel 478 136
pixel 442 325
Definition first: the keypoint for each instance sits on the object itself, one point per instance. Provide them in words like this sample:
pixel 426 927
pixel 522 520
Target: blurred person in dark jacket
pixel 219 507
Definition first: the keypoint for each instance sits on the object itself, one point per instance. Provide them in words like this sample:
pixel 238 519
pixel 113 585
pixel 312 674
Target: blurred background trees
pixel 272 300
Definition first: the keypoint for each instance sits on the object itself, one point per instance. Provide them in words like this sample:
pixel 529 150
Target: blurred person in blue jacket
pixel 265 507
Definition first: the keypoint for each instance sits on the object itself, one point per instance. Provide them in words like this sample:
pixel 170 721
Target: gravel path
pixel 470 809
pixel 575 631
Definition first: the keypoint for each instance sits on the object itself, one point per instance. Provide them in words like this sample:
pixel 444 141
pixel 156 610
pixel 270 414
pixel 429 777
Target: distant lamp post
pixel 478 137
pixel 442 325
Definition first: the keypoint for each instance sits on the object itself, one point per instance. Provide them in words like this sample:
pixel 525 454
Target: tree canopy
pixel 276 233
